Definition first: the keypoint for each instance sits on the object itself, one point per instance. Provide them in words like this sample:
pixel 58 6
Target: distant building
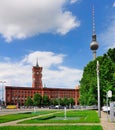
pixel 18 95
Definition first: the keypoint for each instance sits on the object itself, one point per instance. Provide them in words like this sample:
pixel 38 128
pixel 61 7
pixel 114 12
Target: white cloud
pixel 108 35
pixel 54 73
pixel 114 4
pixel 46 59
pixel 22 18
pixel 64 77
pixel 15 73
pixel 73 1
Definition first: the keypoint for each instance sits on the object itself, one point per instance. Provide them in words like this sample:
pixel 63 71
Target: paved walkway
pixel 105 123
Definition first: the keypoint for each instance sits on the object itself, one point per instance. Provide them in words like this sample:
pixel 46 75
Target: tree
pixel 107 74
pixel 60 102
pixel 88 83
pixel 29 102
pixel 71 101
pixel 37 99
pixel 45 100
pixel 55 102
pixel 66 101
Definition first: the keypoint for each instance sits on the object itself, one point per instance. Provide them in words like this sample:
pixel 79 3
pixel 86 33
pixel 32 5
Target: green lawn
pixel 51 128
pixel 12 117
pixel 73 116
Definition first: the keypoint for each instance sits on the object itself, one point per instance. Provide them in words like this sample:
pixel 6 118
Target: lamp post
pixel 98 90
pixel 2 82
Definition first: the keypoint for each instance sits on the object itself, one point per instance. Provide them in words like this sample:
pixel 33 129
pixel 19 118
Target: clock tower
pixel 37 76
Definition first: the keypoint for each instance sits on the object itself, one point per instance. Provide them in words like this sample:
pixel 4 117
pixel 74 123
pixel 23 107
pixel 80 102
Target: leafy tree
pixel 71 101
pixel 29 102
pixel 54 102
pixel 37 99
pixel 45 100
pixel 66 101
pixel 88 83
pixel 61 102
pixel 111 54
pixel 107 74
pixel 58 101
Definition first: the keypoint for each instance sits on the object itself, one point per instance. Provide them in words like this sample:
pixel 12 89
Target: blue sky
pixel 58 33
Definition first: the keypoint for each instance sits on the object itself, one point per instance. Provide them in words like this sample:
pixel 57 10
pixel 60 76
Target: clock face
pixel 38 73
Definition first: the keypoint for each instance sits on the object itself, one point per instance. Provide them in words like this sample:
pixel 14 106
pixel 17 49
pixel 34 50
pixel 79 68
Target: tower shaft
pixel 94 54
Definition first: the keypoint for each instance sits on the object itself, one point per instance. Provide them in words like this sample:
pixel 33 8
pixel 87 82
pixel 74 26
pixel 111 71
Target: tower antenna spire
pixel 93 21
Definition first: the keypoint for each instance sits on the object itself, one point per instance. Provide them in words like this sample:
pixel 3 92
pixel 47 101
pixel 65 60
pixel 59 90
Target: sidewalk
pixel 106 124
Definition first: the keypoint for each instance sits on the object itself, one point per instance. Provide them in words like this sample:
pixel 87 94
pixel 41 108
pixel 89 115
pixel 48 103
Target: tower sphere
pixel 94 45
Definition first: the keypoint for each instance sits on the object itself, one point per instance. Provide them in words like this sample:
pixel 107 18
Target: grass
pixel 51 128
pixel 82 117
pixel 12 117
pixel 76 117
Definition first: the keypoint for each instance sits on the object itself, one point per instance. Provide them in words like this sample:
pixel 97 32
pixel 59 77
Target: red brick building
pixel 18 95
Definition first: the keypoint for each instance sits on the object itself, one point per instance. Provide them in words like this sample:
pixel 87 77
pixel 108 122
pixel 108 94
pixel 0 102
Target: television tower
pixel 94 44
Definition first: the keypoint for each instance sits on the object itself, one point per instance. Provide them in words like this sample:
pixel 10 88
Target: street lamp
pixel 2 82
pixel 98 90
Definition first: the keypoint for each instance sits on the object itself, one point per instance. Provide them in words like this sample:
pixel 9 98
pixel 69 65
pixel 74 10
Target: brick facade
pixel 18 95
pixel 37 77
